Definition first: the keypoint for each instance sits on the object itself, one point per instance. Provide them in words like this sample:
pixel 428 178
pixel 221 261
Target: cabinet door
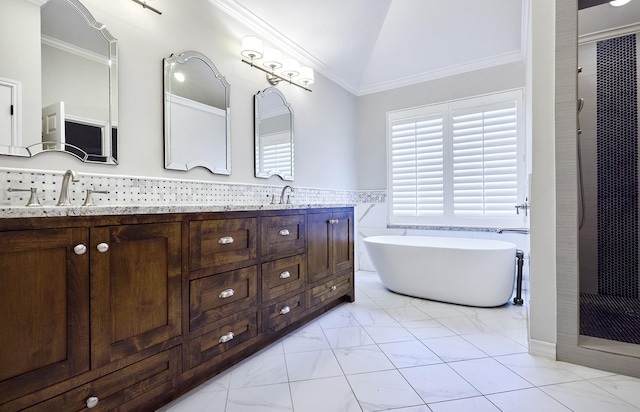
pixel 135 288
pixel 44 317
pixel 342 241
pixel 318 246
pixel 330 243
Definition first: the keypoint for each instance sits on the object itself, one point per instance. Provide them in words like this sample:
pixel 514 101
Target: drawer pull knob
pixel 227 293
pixel 225 240
pixel 333 221
pixel 102 247
pixel 226 337
pixel 92 402
pixel 80 249
pixel 285 310
pixel 334 287
pixel 284 232
pixel 285 275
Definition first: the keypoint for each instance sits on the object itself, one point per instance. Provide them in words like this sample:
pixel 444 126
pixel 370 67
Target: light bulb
pixel 251 47
pixel 272 59
pixel 618 3
pixel 290 68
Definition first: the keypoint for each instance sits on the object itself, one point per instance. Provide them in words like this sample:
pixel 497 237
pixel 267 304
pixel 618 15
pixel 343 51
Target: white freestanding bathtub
pixel 473 272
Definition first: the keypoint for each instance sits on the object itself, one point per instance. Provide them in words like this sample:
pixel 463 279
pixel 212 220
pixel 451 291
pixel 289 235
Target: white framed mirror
pixel 63 85
pixel 196 114
pixel 273 135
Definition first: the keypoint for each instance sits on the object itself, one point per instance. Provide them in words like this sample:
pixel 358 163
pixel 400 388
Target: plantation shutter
pixel 417 172
pixel 484 161
pixel 276 150
pixel 460 163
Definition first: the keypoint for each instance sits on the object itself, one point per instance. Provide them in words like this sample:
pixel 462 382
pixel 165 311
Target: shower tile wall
pixel 617 167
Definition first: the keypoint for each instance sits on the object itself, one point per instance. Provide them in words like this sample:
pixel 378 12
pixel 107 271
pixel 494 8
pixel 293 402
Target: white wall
pixel 542 324
pixel 20 19
pixel 372 111
pixel 372 145
pixel 325 120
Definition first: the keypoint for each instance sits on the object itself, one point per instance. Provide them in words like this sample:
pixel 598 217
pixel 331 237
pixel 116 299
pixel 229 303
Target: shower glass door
pixel 607 145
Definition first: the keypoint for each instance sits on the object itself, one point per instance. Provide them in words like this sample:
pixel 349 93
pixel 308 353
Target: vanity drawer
pixel 285 233
pixel 118 387
pixel 222 244
pixel 338 286
pixel 217 339
pixel 283 276
pixel 283 313
pixel 215 297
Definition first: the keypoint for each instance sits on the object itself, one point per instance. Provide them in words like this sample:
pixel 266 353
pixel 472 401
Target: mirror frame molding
pixel 169 162
pixel 261 95
pixel 38 147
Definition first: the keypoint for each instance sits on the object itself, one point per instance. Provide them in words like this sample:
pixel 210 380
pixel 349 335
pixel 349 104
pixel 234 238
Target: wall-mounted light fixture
pixel 144 4
pixel 277 68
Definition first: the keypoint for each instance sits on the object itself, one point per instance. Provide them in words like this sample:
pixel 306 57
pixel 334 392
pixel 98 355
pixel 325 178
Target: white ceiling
pixel 598 20
pixel 373 45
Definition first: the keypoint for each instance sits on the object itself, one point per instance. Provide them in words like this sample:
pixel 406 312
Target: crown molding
pixel 73 49
pixel 609 34
pixel 38 3
pixel 442 73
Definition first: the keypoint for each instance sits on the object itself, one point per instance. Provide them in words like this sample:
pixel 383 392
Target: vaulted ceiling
pixel 368 46
pixel 373 45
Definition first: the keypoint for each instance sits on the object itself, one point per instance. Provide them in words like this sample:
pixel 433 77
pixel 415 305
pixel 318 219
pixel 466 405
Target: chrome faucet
pixel 64 190
pixel 284 189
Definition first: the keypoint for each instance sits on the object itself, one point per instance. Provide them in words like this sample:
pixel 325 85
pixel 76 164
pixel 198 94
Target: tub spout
pixel 64 189
pixel 515 230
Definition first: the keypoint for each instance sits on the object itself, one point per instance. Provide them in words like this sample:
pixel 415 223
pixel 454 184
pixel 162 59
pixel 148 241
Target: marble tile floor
pixel 388 352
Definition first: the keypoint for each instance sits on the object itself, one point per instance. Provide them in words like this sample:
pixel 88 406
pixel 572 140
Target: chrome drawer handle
pixel 285 275
pixel 285 310
pixel 80 249
pixel 227 293
pixel 333 221
pixel 92 402
pixel 225 240
pixel 102 247
pixel 226 337
pixel 284 232
pixel 334 287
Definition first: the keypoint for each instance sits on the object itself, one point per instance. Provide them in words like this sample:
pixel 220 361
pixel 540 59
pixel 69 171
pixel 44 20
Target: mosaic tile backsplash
pixel 617 166
pixel 152 191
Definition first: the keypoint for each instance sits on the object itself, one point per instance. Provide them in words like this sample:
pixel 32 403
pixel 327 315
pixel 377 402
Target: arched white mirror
pixel 196 114
pixel 273 135
pixel 58 82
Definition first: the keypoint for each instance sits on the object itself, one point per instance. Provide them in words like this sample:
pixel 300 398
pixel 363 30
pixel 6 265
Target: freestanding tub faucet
pixel 284 189
pixel 64 190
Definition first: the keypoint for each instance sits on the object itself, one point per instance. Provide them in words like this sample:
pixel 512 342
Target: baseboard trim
pixel 542 348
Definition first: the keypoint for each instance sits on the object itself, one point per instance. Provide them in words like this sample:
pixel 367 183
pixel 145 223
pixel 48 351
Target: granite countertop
pixel 53 211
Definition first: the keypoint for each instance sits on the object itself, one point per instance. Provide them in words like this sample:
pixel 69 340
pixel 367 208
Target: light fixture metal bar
pixel 275 75
pixel 146 6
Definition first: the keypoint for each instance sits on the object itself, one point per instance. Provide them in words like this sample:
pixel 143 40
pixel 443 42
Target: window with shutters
pixel 277 154
pixel 459 163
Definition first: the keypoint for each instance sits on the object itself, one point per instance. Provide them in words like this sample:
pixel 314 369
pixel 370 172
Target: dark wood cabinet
pixel 135 288
pixel 129 312
pixel 44 317
pixel 330 243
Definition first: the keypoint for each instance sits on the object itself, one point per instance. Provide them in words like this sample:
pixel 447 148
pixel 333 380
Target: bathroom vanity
pixel 129 311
